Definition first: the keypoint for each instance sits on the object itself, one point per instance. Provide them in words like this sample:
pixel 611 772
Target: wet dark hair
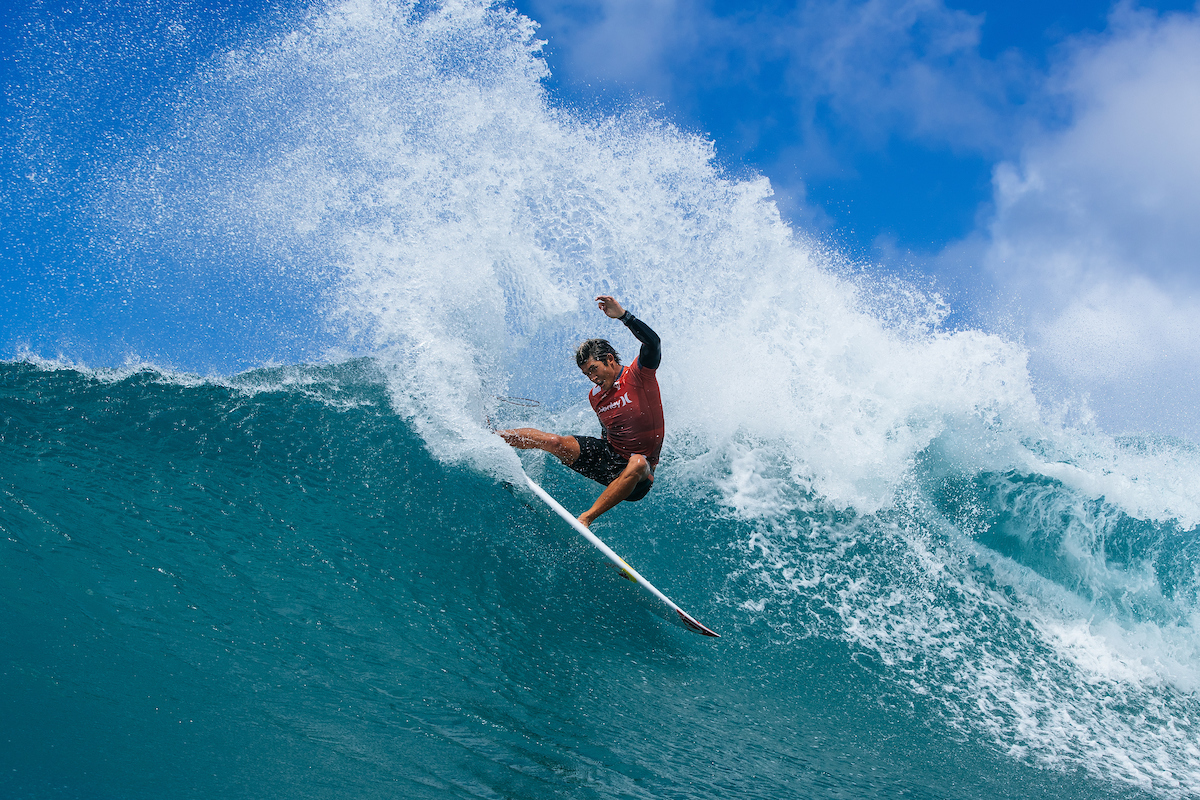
pixel 599 349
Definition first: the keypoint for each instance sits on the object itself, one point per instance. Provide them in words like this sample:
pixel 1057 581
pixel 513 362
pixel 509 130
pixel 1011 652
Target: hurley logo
pixel 623 400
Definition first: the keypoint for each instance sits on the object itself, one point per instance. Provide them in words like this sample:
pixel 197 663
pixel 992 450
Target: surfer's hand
pixel 610 306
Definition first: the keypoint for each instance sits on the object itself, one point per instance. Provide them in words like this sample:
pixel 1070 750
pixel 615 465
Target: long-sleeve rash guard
pixel 651 354
pixel 631 411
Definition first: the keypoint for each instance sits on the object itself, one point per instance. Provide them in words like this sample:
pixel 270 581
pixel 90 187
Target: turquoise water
pixel 268 587
pixel 258 540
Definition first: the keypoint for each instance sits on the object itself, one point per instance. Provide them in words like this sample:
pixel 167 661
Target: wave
pixel 286 539
pixel 846 481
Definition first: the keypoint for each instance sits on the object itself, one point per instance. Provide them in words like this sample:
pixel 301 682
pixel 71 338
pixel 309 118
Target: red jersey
pixel 631 412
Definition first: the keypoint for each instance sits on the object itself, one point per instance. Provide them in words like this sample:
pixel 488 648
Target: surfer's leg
pixel 564 448
pixel 636 471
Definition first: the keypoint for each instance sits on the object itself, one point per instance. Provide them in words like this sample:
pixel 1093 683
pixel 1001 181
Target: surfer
pixel 627 402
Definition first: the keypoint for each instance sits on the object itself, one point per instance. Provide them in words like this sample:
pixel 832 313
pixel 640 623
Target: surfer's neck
pixel 615 381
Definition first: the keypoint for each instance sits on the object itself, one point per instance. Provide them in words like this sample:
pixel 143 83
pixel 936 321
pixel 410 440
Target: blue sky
pixel 1038 162
pixel 879 123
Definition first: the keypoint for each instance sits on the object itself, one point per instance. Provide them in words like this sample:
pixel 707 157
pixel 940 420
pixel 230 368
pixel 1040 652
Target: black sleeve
pixel 651 354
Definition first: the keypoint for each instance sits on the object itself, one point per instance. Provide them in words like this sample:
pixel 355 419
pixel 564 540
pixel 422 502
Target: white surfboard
pixel 662 602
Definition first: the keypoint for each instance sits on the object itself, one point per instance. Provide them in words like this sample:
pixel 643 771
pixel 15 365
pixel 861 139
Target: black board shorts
pixel 600 462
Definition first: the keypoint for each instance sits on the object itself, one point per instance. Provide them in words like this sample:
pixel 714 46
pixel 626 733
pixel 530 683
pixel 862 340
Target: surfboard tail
pixel 693 624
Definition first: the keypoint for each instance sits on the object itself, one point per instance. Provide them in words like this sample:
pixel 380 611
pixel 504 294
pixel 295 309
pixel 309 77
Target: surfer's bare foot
pixel 564 448
pixel 517 438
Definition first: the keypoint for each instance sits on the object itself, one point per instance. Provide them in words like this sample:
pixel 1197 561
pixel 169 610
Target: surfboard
pixel 663 604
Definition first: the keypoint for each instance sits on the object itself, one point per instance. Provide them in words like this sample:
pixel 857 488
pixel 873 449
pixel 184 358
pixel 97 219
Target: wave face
pixel 314 580
pixel 216 589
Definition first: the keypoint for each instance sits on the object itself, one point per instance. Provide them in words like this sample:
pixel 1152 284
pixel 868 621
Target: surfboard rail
pixel 673 611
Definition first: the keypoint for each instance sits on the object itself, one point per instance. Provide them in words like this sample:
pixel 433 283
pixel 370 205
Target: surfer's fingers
pixel 609 305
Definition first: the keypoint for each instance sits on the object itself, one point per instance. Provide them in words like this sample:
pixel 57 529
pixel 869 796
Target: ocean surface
pixel 259 541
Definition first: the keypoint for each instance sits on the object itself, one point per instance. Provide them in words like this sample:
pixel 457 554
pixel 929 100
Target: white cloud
pixel 1096 230
pixel 900 66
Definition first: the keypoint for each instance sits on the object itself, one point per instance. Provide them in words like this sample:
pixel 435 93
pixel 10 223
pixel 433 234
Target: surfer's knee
pixel 642 476
pixel 640 466
pixel 565 449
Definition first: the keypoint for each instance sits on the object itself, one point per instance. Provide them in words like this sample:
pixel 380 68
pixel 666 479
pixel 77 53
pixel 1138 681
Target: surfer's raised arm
pixel 650 355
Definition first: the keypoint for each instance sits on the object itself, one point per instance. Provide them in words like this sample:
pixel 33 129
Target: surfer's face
pixel 601 373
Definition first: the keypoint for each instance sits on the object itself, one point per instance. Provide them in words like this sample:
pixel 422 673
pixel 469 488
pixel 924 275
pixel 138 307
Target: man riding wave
pixel 627 402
